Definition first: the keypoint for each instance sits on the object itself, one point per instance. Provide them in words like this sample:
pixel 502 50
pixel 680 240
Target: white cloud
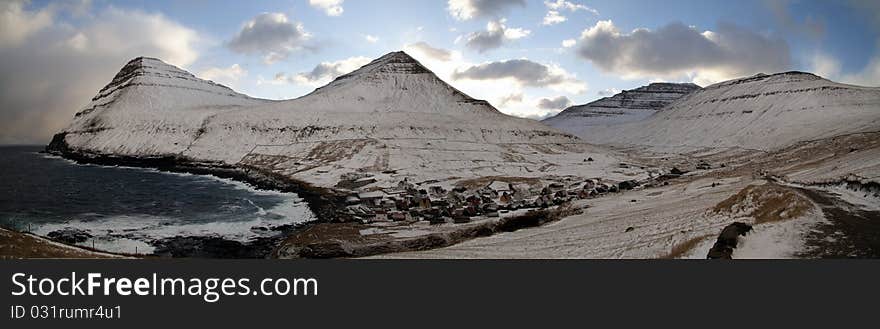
pixel 330 7
pixel 568 43
pixel 553 17
pixel 325 72
pixel 124 33
pixel 555 103
pixel 510 93
pixel 869 76
pixel 228 76
pixel 426 50
pixel 510 99
pixel 524 72
pixel 554 12
pixel 50 73
pixel 608 92
pixel 272 35
pixel 468 9
pixel 495 35
pixel 830 68
pixel 16 23
pixel 570 6
pixel 825 66
pixel 371 38
pixel 675 50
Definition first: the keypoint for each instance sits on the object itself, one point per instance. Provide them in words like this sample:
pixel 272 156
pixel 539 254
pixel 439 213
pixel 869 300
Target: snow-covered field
pixel 660 218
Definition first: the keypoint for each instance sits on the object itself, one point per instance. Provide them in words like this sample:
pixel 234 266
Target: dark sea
pixel 127 209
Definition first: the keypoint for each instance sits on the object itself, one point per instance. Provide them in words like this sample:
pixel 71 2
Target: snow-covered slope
pixel 392 118
pixel 150 107
pixel 762 112
pixel 627 106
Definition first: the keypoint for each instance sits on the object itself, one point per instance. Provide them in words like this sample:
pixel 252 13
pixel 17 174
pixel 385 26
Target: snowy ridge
pixel 627 106
pixel 155 103
pixel 392 118
pixel 392 83
pixel 762 112
pixel 151 72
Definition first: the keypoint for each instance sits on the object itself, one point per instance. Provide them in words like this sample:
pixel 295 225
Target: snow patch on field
pixel 776 240
pixel 862 199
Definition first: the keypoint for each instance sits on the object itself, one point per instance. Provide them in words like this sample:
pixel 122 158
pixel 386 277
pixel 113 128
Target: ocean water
pixel 128 209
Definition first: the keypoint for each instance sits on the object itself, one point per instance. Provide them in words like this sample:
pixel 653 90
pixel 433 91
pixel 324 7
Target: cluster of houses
pixel 407 202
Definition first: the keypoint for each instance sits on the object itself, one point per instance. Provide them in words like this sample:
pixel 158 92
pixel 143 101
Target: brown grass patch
pixel 765 203
pixel 15 245
pixel 683 247
pixel 331 151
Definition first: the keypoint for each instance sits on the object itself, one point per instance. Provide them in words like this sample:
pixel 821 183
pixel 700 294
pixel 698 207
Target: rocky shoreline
pixel 322 202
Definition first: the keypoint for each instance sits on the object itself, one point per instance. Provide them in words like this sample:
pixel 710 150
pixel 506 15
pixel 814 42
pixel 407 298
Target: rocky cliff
pixel 627 106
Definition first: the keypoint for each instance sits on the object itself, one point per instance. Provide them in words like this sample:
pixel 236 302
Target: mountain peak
pixel 148 77
pixel 662 87
pixel 397 62
pixel 142 68
pixel 781 77
pixel 398 76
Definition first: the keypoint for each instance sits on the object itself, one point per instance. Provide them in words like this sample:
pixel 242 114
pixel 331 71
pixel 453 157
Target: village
pixel 431 202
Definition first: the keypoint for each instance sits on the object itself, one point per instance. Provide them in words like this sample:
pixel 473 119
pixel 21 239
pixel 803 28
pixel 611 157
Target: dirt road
pixel 851 232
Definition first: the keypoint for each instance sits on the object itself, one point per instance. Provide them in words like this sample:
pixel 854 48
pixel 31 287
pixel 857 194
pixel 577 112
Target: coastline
pixel 323 202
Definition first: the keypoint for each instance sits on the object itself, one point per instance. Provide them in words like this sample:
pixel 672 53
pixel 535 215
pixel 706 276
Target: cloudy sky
pixel 528 58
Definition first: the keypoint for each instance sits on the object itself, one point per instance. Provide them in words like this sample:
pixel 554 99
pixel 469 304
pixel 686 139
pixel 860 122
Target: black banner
pixel 409 293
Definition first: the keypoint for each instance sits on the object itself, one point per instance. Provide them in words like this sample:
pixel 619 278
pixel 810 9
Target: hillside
pixel 763 112
pixel 391 119
pixel 627 106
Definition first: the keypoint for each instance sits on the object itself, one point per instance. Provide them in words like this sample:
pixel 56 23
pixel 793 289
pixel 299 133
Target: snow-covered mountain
pixel 392 119
pixel 762 112
pixel 150 107
pixel 627 106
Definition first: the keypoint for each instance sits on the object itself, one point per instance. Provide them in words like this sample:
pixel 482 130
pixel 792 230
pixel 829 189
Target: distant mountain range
pixel 762 112
pixel 391 119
